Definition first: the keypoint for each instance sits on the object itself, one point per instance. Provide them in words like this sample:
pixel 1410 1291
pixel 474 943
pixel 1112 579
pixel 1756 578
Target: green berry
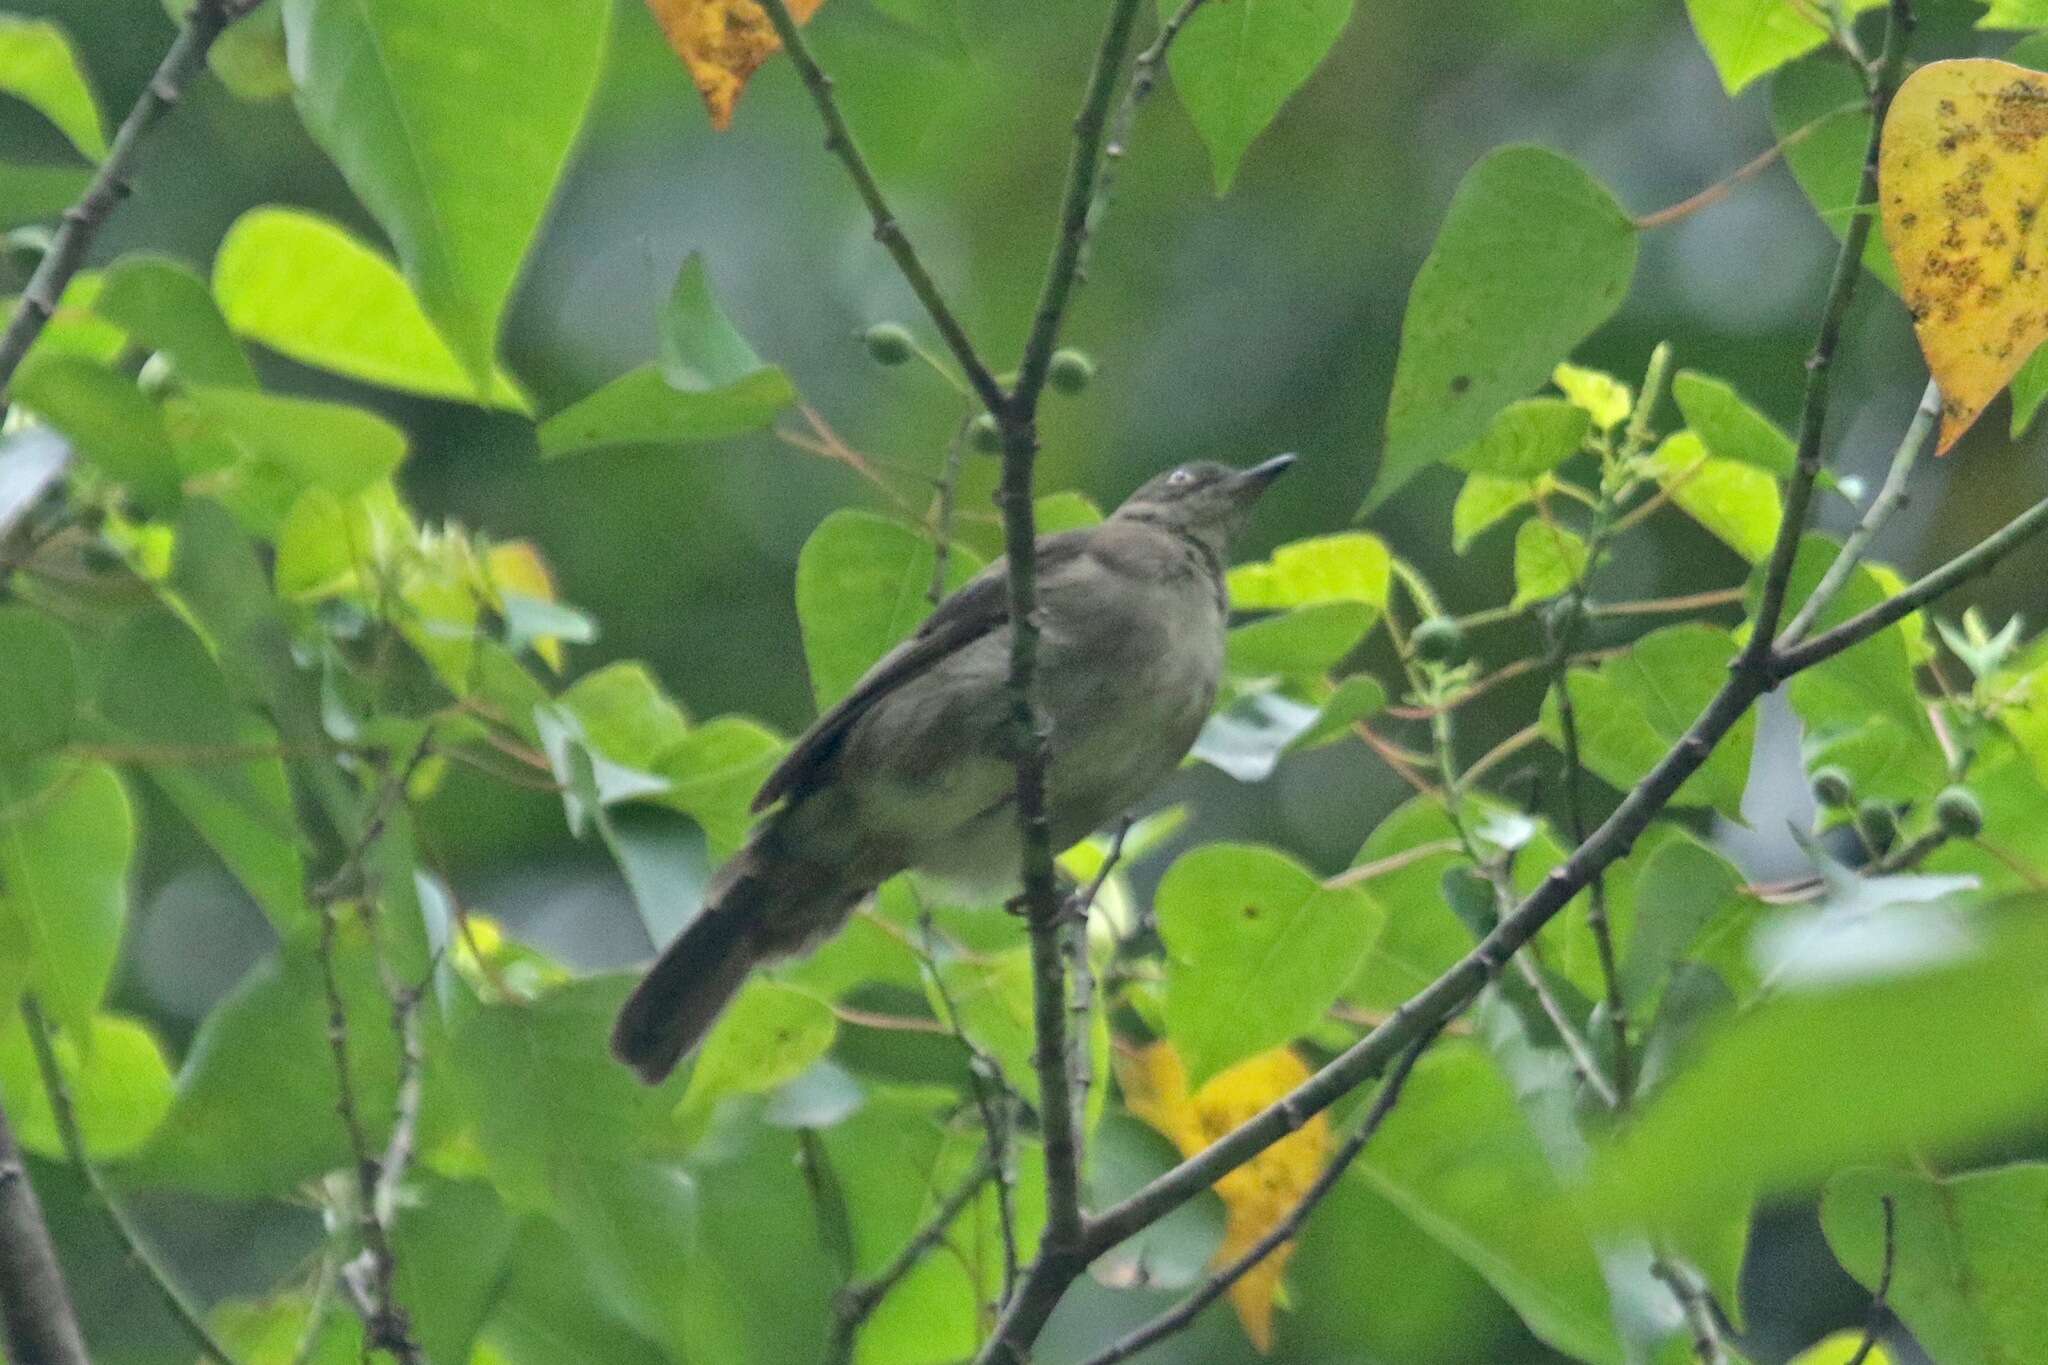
pixel 1833 789
pixel 1879 824
pixel 1440 640
pixel 888 343
pixel 984 435
pixel 1071 371
pixel 1959 813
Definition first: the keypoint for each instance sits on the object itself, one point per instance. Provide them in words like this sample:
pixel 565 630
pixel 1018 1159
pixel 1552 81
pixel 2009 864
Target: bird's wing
pixel 981 605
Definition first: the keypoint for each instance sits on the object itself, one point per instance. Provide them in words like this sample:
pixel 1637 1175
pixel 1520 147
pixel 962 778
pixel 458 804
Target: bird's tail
pixel 761 906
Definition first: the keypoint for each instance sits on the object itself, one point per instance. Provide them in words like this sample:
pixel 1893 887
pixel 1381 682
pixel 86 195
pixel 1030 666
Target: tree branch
pixel 1889 499
pixel 1213 1288
pixel 83 220
pixel 182 1309
pixel 1813 407
pixel 37 1321
pixel 839 141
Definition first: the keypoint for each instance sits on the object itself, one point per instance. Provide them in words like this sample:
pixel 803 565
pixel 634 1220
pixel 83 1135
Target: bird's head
pixel 1207 500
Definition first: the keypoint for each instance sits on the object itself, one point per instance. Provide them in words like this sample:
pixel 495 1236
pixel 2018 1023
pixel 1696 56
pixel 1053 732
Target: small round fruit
pixel 1071 371
pixel 1959 813
pixel 1832 788
pixel 1440 640
pixel 1880 825
pixel 984 435
pixel 888 343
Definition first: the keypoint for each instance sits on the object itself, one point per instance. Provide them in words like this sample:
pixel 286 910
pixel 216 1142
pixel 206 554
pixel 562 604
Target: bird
pixel 915 767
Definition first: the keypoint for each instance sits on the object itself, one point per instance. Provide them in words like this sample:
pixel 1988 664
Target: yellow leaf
pixel 1257 1195
pixel 1962 175
pixel 1840 1349
pixel 516 567
pixel 1603 396
pixel 723 42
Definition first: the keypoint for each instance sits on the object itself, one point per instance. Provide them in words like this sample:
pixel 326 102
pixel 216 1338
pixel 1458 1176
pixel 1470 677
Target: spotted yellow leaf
pixel 1257 1195
pixel 723 43
pixel 1962 175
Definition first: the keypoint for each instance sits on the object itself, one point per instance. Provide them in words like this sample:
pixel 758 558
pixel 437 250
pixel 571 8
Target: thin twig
pixel 1696 1302
pixel 1501 752
pixel 942 511
pixel 1890 497
pixel 187 1314
pixel 1720 189
pixel 1081 1002
pixel 1884 1287
pixel 110 185
pixel 1407 857
pixel 858 1300
pixel 37 1321
pixel 1693 601
pixel 888 231
pixel 1144 77
pixel 1183 1313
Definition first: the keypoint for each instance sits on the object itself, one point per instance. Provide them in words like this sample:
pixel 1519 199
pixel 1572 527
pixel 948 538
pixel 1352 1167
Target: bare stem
pixel 37 1321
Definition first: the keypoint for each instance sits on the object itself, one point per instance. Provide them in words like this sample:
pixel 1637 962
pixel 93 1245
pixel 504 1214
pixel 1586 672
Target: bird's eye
pixel 1180 478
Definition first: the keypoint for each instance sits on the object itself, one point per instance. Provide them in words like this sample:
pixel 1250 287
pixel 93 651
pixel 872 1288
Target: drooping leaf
pixel 119 1085
pixel 1257 1195
pixel 1967 1255
pixel 1737 502
pixel 163 304
pixel 65 842
pixel 1637 705
pixel 1257 949
pixel 861 587
pixel 1548 560
pixel 1505 294
pixel 722 43
pixel 39 66
pixel 1750 38
pixel 308 289
pixel 1235 65
pixel 452 125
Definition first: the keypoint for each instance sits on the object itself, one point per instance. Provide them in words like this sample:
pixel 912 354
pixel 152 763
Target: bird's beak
pixel 1256 480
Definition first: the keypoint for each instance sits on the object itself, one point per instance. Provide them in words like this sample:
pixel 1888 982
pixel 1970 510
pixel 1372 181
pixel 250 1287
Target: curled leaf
pixel 723 43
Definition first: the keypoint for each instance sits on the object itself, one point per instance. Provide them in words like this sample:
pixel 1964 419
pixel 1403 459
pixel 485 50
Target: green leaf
pixel 666 863
pixel 39 66
pixel 861 582
pixel 260 451
pixel 1457 1157
pixel 254 1113
pixel 990 999
pixel 65 844
pixel 1548 560
pixel 120 1085
pixel 306 288
pixel 1350 566
pixel 1527 438
pixel 111 424
pixel 1534 254
pixel 641 408
pixel 2029 388
pixel 1682 892
pixel 625 714
pixel 1967 1255
pixel 159 687
pixel 1484 502
pixel 1918 1059
pixel 38 685
pixel 1235 65
pixel 163 304
pixel 1638 705
pixel 1305 642
pixel 1729 427
pixel 1828 161
pixel 1605 399
pixel 1737 503
pixel 1353 699
pixel 453 1247
pixel 278 1331
pixel 1065 511
pixel 2015 14
pixel 769 1035
pixel 452 125
pixel 714 772
pixel 1257 950
pixel 1247 737
pixel 1750 38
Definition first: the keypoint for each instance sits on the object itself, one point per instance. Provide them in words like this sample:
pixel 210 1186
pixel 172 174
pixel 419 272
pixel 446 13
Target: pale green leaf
pixel 1484 502
pixel 120 1085
pixel 65 846
pixel 39 66
pixel 1729 427
pixel 163 304
pixel 1350 566
pixel 1548 560
pixel 768 1036
pixel 1738 503
pixel 1234 65
pixel 1605 399
pixel 1750 38
pixel 862 585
